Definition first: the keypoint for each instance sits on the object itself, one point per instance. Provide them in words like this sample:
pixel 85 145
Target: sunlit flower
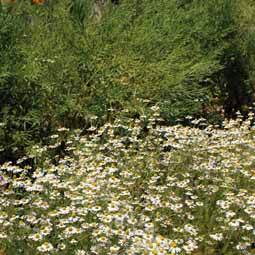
pixel 45 247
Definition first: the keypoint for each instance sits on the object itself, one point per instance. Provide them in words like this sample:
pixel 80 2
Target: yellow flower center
pixel 173 244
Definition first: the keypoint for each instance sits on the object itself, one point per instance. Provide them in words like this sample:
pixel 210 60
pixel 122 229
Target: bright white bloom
pixel 45 247
pixel 217 236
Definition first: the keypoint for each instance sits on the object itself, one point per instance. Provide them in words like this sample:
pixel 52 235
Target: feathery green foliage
pixel 61 62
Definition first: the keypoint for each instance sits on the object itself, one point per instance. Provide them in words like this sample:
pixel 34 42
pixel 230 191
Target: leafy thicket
pixel 65 61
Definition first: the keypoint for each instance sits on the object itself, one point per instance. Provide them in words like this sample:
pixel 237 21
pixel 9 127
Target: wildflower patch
pixel 122 192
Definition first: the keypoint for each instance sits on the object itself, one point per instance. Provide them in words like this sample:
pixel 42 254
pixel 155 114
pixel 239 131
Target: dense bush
pixel 62 63
pixel 179 55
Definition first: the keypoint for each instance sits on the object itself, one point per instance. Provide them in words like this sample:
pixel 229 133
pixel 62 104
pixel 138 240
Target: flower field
pixel 136 187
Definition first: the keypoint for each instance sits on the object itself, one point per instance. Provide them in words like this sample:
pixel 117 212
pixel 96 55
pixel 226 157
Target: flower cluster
pixel 136 187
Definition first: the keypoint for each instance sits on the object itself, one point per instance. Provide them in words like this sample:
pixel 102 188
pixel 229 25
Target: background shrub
pixel 65 61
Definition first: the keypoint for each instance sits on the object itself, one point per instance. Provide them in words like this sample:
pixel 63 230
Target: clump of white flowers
pixel 127 190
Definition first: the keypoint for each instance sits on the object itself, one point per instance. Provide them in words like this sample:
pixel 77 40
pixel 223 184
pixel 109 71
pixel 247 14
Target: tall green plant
pixel 60 64
pixel 167 53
